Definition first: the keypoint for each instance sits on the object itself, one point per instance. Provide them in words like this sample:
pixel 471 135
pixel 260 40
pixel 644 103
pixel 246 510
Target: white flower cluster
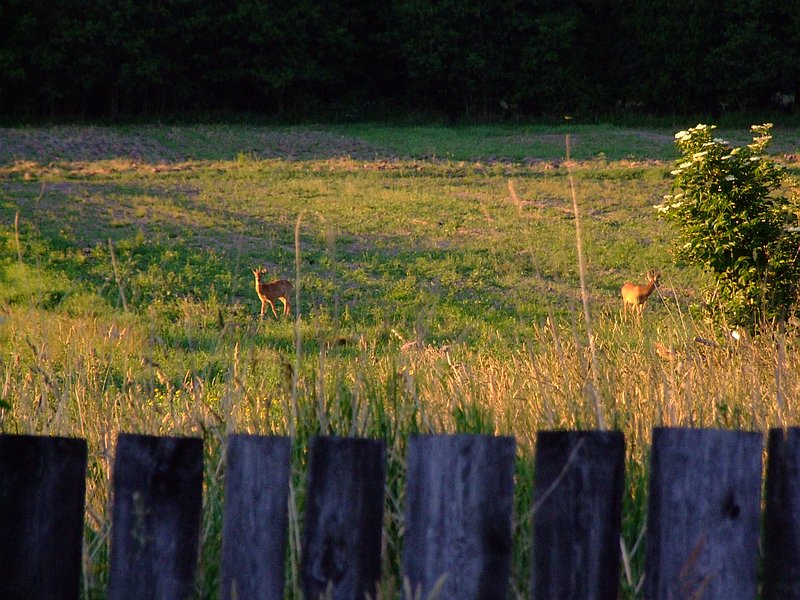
pixel 685 135
pixel 671 202
pixel 681 167
pixel 731 154
pixel 682 137
pixel 697 157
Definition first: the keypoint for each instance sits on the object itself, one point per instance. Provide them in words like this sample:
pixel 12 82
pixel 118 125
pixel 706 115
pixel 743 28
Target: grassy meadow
pixel 438 286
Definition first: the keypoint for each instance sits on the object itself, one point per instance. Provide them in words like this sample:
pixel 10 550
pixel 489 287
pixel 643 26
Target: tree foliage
pixel 469 58
pixel 733 222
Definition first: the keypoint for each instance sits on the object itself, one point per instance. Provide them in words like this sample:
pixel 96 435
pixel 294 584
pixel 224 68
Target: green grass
pixel 439 291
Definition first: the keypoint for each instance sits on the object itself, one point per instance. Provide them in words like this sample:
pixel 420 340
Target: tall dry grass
pixel 94 377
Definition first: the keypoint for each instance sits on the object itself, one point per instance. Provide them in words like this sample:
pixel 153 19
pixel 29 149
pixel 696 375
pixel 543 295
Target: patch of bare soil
pixel 315 145
pixel 85 144
pixel 73 144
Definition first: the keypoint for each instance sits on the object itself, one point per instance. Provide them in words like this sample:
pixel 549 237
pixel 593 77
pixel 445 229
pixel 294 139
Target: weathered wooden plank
pixel 703 519
pixel 255 517
pixel 459 500
pixel 781 539
pixel 155 517
pixel 341 552
pixel 42 495
pixel 577 514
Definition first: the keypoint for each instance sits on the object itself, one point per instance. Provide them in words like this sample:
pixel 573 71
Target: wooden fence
pixel 703 521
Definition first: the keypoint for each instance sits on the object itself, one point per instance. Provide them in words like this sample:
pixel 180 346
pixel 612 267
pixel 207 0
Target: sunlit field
pixel 437 290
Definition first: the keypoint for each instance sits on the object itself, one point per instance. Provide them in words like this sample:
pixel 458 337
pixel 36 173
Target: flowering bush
pixel 733 224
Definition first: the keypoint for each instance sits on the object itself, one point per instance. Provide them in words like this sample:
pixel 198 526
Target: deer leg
pixel 285 306
pixel 263 306
pixel 272 306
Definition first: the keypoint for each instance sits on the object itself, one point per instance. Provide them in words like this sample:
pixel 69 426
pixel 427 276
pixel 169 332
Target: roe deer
pixel 636 295
pixel 268 293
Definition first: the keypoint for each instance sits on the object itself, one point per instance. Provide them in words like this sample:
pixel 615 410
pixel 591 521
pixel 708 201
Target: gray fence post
pixel 157 494
pixel 341 552
pixel 42 495
pixel 781 539
pixel 255 517
pixel 459 500
pixel 577 514
pixel 703 519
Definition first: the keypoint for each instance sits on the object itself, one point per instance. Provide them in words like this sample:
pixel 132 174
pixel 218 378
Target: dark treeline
pixel 361 58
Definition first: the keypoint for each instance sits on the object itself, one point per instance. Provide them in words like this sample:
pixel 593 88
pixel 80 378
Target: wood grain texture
pixel 782 516
pixel 459 499
pixel 578 512
pixel 42 494
pixel 704 513
pixel 157 495
pixel 341 552
pixel 255 517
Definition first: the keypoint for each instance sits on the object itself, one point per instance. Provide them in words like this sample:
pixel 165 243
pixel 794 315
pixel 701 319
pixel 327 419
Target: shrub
pixel 734 224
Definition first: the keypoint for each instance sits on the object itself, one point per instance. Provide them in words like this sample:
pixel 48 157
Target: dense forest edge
pixel 355 60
